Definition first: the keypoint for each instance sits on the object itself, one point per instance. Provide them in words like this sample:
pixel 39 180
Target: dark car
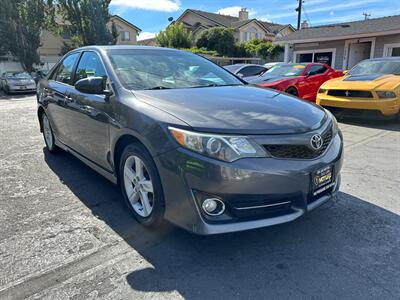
pixel 246 70
pixel 188 141
pixel 17 82
pixel 301 80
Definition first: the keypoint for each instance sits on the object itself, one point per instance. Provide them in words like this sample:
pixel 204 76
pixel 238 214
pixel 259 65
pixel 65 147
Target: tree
pixel 86 22
pixel 219 39
pixel 21 23
pixel 258 48
pixel 175 36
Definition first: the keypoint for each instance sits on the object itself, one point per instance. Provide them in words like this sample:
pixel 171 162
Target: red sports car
pixel 302 80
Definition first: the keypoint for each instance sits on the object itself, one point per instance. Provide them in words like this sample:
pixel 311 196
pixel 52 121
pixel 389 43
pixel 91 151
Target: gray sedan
pixel 16 82
pixel 246 70
pixel 187 141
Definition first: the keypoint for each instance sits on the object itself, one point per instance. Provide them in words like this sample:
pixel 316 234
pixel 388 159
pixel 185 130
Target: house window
pixel 396 51
pixel 252 33
pixel 318 56
pixel 125 36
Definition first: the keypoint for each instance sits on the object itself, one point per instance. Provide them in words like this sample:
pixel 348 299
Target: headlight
pixel 386 94
pixel 226 148
pixel 321 91
pixel 335 125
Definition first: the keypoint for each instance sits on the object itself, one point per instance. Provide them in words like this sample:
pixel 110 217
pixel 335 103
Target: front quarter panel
pixel 144 122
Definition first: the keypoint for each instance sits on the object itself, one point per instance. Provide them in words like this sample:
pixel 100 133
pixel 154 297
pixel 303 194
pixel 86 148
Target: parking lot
pixel 65 232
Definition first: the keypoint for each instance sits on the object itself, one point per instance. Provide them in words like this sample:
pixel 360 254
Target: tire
pixel 141 190
pixel 48 134
pixel 292 91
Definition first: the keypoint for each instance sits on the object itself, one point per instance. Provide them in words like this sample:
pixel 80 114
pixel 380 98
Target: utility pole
pixel 366 15
pixel 298 9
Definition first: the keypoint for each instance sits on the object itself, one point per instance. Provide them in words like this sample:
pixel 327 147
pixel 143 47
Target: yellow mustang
pixel 372 84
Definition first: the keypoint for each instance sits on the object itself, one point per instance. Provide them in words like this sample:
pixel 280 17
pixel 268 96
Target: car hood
pixel 267 79
pixel 236 109
pixel 364 82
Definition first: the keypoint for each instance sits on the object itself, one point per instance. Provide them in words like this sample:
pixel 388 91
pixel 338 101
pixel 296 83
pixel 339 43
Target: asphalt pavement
pixel 65 234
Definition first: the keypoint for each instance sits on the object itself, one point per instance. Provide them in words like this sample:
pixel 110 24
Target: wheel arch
pixel 292 87
pixel 121 142
pixel 40 112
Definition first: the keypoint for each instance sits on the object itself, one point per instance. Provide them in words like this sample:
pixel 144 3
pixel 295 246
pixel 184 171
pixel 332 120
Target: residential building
pixel 344 45
pixel 245 28
pixel 51 44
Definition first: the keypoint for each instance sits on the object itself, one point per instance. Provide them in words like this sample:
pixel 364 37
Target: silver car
pixel 14 82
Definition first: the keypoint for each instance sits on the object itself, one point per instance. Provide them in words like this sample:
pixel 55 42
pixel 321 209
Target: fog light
pixel 213 207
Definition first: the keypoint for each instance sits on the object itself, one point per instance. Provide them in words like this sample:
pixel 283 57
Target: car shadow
pixel 19 96
pixel 345 249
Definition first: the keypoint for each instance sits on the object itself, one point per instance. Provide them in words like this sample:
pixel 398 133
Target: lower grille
pixel 300 151
pixel 350 94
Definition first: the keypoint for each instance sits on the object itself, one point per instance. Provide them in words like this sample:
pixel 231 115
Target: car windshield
pixel 285 70
pixel 140 69
pixel 18 75
pixel 376 67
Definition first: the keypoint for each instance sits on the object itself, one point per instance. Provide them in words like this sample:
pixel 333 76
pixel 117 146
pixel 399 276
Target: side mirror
pixel 240 75
pixel 93 85
pixel 310 73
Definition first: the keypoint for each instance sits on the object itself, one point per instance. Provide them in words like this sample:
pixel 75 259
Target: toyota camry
pixel 189 142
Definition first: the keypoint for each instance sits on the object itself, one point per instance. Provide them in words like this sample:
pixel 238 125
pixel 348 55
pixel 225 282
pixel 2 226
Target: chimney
pixel 243 14
pixel 304 25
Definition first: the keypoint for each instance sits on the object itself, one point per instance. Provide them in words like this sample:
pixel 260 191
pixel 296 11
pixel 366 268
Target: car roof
pixel 393 58
pixel 124 47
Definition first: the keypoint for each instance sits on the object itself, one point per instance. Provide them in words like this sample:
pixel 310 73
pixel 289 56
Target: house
pixel 245 29
pixel 148 42
pixel 343 45
pixel 51 44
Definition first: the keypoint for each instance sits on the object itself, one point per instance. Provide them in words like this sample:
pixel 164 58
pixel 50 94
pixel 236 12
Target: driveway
pixel 64 232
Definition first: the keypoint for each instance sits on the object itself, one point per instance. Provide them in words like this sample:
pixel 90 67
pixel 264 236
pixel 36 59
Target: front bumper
pixel 251 180
pixel 21 88
pixel 387 107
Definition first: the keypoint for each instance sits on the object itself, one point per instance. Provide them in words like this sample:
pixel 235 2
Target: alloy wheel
pixel 138 186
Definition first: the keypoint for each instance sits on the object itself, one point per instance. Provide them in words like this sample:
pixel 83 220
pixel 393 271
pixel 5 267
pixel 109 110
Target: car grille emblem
pixel 347 93
pixel 316 142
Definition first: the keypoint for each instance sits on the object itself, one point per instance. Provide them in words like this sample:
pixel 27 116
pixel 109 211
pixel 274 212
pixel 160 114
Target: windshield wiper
pixel 159 88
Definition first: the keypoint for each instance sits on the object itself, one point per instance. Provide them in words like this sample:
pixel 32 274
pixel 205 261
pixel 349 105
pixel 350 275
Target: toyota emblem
pixel 316 142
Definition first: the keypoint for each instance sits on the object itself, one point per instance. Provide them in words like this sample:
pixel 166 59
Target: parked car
pixel 270 65
pixel 246 70
pixel 301 80
pixel 16 82
pixel 188 141
pixel 373 85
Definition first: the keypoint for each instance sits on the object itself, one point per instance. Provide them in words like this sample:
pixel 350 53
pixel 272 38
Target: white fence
pixel 16 66
pixel 9 66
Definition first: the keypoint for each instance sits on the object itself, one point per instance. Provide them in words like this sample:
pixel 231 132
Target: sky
pixel 152 15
